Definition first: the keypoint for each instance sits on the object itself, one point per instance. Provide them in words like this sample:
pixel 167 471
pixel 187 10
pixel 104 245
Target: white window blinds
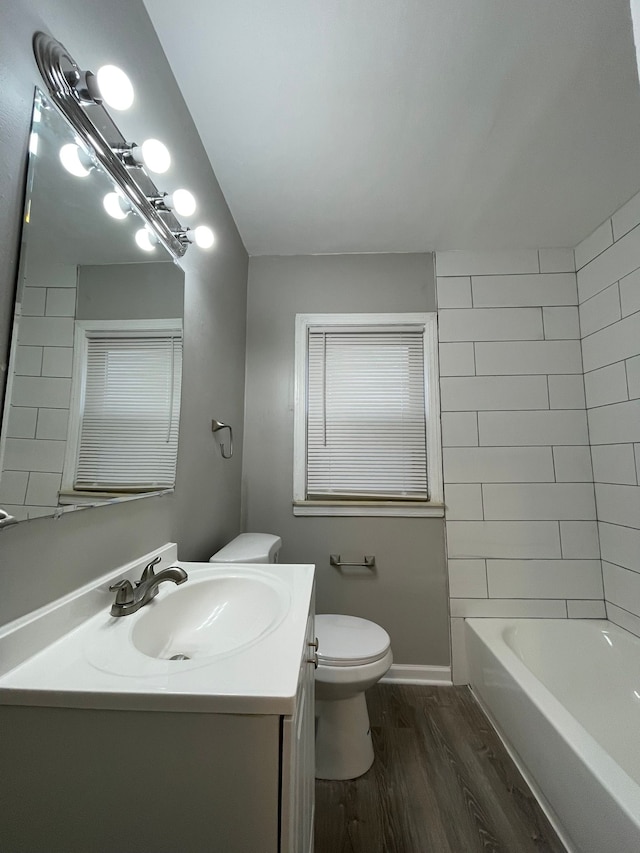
pixel 366 435
pixel 130 411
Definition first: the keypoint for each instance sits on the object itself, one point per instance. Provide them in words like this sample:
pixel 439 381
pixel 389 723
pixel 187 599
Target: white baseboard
pixel 418 674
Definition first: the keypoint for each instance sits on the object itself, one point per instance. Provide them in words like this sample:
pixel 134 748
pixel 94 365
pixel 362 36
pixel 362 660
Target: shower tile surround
pixel 540 379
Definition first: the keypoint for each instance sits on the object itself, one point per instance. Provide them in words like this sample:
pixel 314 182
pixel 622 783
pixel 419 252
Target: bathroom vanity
pixel 108 748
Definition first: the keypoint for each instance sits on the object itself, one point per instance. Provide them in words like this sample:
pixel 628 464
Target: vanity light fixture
pixel 182 201
pixel 79 95
pixel 146 240
pixel 202 236
pixel 116 205
pixel 75 160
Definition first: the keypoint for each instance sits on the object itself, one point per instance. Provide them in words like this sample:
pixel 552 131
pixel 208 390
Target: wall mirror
pixel 93 394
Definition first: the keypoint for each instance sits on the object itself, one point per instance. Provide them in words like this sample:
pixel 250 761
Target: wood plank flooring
pixel 442 782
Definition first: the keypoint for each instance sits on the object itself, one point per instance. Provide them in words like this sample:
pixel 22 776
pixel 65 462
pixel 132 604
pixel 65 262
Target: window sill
pixel 397 509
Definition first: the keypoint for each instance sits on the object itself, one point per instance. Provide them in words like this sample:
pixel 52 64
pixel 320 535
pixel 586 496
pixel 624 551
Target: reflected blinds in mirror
pixel 130 413
pixel 366 414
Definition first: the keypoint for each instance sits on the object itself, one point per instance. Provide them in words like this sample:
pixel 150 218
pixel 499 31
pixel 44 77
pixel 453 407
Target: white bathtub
pixel 565 696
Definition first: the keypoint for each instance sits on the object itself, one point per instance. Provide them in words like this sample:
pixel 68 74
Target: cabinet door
pixel 298 782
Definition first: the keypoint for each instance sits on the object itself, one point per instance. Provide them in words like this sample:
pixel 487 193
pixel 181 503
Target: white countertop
pixel 95 665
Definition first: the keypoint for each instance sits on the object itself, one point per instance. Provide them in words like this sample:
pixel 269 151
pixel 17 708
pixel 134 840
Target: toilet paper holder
pixel 368 561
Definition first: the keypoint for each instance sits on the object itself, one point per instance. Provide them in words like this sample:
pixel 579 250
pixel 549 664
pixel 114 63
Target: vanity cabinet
pixel 123 773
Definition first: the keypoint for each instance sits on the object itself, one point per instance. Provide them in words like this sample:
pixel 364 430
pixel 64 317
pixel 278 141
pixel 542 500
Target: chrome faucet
pixel 130 598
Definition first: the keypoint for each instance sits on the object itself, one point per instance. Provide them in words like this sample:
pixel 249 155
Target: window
pixel 367 419
pixel 125 407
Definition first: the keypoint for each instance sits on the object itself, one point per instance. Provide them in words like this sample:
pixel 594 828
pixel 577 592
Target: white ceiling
pixel 410 125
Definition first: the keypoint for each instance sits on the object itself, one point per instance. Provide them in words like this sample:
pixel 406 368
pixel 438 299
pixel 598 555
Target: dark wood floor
pixel 442 782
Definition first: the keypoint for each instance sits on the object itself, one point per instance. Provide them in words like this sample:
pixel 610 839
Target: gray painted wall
pixel 45 558
pixel 408 594
pixel 129 292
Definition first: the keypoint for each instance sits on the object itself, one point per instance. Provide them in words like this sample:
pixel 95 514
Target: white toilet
pixel 353 654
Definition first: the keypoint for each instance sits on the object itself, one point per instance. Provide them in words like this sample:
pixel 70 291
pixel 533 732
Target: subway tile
pixel 538 501
pixel 61 302
pixel 601 310
pixel 463 501
pixel 614 463
pixel 515 608
pixel 633 376
pixel 13 487
pixel 626 217
pixel 619 260
pixel 43 489
pixel 557 260
pixel 606 385
pixel 614 343
pixel 594 244
pixel 456 263
pixel 490 324
pixel 454 292
pixel 584 609
pixel 580 540
pixel 28 361
pixel 498 465
pixel 467 579
pixel 619 545
pixel 519 291
pixel 52 423
pixel 493 392
pixel 23 454
pixel 457 359
pixel 522 357
pixel 618 423
pixel 20 513
pixel 503 539
pixel 51 392
pixel 544 578
pixel 622 587
pixel 33 301
pixel 636 448
pixel 629 621
pixel 46 331
pixel 57 361
pixel 22 422
pixel 503 429
pixel 561 323
pixel 618 504
pixel 566 391
pixel 459 429
pixel 630 293
pixel 572 464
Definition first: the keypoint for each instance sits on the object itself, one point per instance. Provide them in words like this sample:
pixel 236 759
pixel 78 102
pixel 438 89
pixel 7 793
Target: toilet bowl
pixel 353 654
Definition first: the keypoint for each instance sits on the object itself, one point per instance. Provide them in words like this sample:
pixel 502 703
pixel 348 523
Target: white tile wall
pixel 594 244
pixel 611 351
pixel 522 535
pixel 39 412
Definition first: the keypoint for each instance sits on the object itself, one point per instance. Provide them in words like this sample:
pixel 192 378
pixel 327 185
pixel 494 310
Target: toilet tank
pixel 250 548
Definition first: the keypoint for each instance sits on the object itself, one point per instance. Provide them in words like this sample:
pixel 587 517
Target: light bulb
pixel 116 206
pixel 146 240
pixel 182 201
pixel 115 87
pixel 205 238
pixel 155 155
pixel 75 160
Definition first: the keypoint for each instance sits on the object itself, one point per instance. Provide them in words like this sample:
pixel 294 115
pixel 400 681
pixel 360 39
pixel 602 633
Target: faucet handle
pixel 148 572
pixel 124 594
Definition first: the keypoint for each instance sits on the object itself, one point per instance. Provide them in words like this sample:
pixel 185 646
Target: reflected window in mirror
pixel 77 265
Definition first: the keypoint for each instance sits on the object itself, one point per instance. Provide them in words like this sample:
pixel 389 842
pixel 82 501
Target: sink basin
pixel 214 616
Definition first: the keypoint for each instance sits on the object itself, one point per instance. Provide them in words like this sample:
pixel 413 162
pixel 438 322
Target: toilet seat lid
pixel 349 640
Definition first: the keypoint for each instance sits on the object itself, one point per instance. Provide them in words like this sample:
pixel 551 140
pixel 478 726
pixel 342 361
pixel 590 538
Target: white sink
pixel 203 618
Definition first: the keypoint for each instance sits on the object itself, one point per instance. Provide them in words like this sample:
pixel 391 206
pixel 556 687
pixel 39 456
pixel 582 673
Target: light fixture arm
pixel 69 91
